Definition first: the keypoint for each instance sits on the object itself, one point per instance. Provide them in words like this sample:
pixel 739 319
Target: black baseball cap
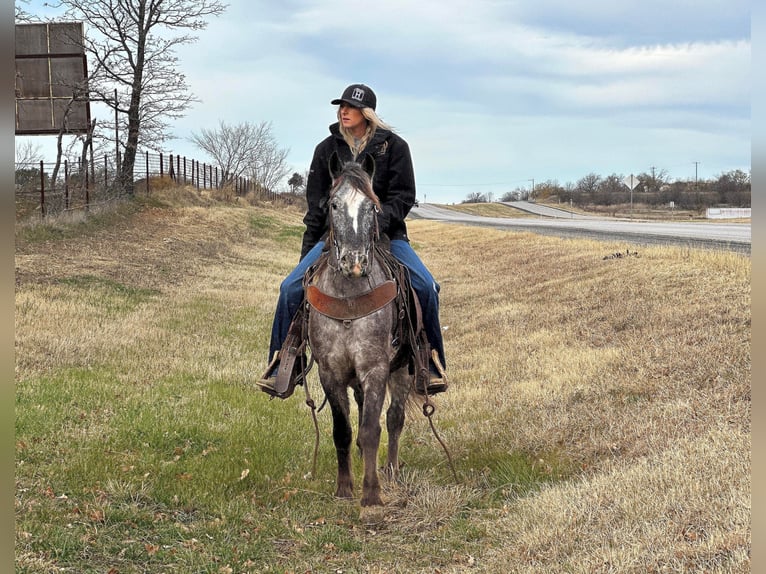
pixel 357 95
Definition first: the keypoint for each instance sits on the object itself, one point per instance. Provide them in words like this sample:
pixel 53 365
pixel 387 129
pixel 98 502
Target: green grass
pixel 141 476
pixel 264 224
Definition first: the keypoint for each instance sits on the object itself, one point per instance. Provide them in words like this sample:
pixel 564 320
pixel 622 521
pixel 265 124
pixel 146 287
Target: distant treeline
pixel 730 189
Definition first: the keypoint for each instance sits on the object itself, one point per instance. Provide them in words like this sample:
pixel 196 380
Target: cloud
pixel 490 91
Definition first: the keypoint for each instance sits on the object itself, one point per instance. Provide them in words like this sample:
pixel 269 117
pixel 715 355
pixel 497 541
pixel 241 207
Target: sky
pixel 491 95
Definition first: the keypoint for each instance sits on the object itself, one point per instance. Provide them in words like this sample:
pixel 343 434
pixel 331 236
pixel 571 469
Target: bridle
pixel 374 232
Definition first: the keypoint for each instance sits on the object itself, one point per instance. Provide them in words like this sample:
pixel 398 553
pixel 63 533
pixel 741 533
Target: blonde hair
pixel 373 123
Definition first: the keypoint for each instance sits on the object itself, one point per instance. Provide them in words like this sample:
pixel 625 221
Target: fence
pixel 79 185
pixel 191 172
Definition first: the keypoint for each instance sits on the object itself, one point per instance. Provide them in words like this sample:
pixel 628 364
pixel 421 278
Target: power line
pixel 471 184
pixel 458 184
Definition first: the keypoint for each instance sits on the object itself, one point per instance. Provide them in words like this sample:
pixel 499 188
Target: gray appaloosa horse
pixel 350 329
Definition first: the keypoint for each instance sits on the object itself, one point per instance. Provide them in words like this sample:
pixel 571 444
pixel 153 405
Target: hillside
pixel 598 417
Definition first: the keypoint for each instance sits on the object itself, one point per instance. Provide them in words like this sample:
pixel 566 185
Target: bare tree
pixel 510 196
pixel 476 197
pixel 132 46
pixel 20 14
pixel 233 147
pixel 270 166
pixel 245 150
pixel 652 181
pixel 59 150
pixel 588 183
pixel 27 152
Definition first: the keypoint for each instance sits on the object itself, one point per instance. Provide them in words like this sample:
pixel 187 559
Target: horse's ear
pixel 335 165
pixel 368 164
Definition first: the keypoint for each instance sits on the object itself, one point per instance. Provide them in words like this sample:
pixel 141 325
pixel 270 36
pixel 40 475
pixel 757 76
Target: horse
pixel 352 315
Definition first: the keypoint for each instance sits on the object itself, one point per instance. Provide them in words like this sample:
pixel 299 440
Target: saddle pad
pixel 353 307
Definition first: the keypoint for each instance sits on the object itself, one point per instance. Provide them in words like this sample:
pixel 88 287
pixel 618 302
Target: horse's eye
pixel 333 206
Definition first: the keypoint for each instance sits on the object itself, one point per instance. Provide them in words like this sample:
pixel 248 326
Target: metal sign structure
pixel 631 181
pixel 51 79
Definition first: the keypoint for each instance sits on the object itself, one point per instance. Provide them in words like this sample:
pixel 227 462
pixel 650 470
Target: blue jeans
pixel 426 288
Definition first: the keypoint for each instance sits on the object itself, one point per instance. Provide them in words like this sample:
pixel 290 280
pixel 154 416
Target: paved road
pixel 551 221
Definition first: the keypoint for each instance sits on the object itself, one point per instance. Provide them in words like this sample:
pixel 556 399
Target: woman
pixel 359 130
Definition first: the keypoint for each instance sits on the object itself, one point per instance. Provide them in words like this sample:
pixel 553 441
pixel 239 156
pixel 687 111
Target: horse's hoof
pixel 344 493
pixel 371 515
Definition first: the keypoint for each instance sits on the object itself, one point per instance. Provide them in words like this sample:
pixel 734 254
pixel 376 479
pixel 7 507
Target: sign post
pixel 631 181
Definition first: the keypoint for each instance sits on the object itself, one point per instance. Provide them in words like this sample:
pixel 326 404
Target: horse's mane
pixel 358 179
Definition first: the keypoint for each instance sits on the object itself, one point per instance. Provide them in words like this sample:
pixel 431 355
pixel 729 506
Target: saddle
pixel 408 335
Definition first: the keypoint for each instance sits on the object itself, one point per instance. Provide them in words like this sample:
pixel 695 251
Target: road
pixel 552 221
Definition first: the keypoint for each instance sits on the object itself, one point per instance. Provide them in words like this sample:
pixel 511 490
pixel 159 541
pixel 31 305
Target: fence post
pixel 178 166
pixel 87 182
pixel 184 170
pixel 106 172
pixel 197 162
pixel 42 189
pixel 66 184
pixel 170 169
pixel 147 172
pixel 92 167
pixel 162 173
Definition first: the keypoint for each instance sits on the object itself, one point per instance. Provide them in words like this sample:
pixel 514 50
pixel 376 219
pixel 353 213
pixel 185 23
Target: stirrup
pixel 437 382
pixel 281 383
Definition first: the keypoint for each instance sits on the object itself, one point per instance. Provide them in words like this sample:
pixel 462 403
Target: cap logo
pixel 357 94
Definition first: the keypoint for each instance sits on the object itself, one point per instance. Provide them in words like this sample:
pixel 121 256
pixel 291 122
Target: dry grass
pixel 635 372
pixel 488 209
pixel 599 413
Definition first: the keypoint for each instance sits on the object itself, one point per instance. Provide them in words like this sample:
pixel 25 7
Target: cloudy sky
pixel 489 94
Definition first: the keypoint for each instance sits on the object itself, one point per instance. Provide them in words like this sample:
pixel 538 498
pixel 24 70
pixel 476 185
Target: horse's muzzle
pixel 354 264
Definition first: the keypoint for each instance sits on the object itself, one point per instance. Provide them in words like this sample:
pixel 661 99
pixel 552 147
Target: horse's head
pixel 353 221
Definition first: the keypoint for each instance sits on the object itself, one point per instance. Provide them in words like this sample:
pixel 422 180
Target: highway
pixel 551 221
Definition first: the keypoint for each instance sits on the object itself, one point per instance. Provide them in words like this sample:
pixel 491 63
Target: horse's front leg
pixel 341 434
pixel 369 435
pixel 359 398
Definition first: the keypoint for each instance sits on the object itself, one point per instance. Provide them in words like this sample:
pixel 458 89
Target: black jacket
pixel 393 183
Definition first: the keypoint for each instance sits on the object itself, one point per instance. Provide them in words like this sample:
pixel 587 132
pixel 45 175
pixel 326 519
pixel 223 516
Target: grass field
pixel 598 417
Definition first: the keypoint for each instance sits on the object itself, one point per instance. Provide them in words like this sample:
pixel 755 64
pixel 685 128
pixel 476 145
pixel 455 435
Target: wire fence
pixel 44 189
